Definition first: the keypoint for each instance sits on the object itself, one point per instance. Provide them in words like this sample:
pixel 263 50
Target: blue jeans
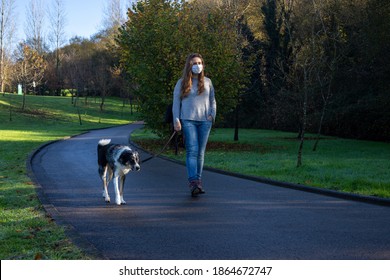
pixel 196 134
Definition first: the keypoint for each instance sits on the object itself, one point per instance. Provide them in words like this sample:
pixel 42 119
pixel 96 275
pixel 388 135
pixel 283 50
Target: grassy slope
pixel 340 164
pixel 26 233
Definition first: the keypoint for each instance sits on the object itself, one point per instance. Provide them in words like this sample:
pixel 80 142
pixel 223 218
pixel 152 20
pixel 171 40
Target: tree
pixel 329 36
pixel 103 64
pixel 34 29
pixel 108 74
pixel 316 49
pixel 276 52
pixel 7 30
pixel 57 37
pixel 154 61
pixel 113 15
pixel 30 69
pixel 78 67
pixel 225 39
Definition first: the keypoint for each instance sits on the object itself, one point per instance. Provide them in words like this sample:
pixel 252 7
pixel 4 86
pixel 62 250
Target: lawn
pixel 360 167
pixel 26 232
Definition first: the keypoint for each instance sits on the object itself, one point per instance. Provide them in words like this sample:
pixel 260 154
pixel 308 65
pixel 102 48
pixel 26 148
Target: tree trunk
pixel 10 108
pixel 326 102
pixel 236 125
pixel 24 98
pixel 102 103
pixel 78 112
pixel 131 105
pixel 304 118
pixel 320 125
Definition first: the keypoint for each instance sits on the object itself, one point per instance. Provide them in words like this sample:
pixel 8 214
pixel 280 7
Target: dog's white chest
pixel 124 170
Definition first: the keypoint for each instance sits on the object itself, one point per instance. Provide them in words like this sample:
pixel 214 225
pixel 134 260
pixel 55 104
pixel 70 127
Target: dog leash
pixel 162 150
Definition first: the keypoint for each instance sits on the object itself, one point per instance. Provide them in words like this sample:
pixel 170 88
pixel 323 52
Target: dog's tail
pixel 104 142
pixel 101 151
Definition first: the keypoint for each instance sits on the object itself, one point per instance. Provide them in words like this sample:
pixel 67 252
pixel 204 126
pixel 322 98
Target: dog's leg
pixel 121 187
pixel 116 187
pixel 105 178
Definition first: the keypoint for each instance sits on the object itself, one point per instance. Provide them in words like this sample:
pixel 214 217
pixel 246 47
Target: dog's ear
pixel 125 158
pixel 129 157
pixel 136 156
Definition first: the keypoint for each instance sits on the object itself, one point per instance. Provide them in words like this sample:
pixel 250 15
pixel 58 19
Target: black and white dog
pixel 115 161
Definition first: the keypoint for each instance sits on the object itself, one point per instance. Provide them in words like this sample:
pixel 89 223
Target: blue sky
pixel 84 17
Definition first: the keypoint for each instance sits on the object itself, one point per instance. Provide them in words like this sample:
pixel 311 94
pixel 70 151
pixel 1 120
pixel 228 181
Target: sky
pixel 84 17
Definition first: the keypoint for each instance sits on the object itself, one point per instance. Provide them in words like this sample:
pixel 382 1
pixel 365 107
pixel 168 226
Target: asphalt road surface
pixel 235 219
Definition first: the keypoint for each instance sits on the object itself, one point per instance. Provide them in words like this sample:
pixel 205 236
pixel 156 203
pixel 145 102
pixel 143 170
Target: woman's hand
pixel 210 118
pixel 177 126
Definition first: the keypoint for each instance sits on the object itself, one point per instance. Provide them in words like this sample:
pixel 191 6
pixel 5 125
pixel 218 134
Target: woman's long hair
pixel 187 77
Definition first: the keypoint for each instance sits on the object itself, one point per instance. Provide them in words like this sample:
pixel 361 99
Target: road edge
pixel 337 194
pixel 82 243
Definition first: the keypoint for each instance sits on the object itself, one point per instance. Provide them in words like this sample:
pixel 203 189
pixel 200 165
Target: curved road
pixel 235 219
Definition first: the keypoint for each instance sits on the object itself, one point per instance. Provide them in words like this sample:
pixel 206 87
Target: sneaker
pixel 195 190
pixel 200 186
pixel 196 187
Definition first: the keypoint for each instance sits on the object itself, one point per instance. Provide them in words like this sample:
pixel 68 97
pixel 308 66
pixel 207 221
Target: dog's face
pixel 131 160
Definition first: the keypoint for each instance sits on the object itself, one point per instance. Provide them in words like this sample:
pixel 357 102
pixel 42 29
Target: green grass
pixel 26 232
pixel 360 167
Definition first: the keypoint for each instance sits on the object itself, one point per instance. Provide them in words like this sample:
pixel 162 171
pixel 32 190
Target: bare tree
pixel 57 36
pixel 34 29
pixel 71 71
pixel 30 69
pixel 113 14
pixel 7 28
pixel 330 37
pixel 307 56
pixel 305 86
pixel 321 55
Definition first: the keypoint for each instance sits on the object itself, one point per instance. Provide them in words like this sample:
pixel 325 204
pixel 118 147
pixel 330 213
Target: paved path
pixel 235 219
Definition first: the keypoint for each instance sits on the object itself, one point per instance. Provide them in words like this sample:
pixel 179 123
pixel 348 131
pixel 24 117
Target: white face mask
pixel 197 68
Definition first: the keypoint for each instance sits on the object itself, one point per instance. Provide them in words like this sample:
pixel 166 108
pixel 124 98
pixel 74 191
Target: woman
pixel 194 110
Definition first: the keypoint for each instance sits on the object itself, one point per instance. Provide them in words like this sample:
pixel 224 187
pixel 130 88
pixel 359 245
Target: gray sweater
pixel 194 107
